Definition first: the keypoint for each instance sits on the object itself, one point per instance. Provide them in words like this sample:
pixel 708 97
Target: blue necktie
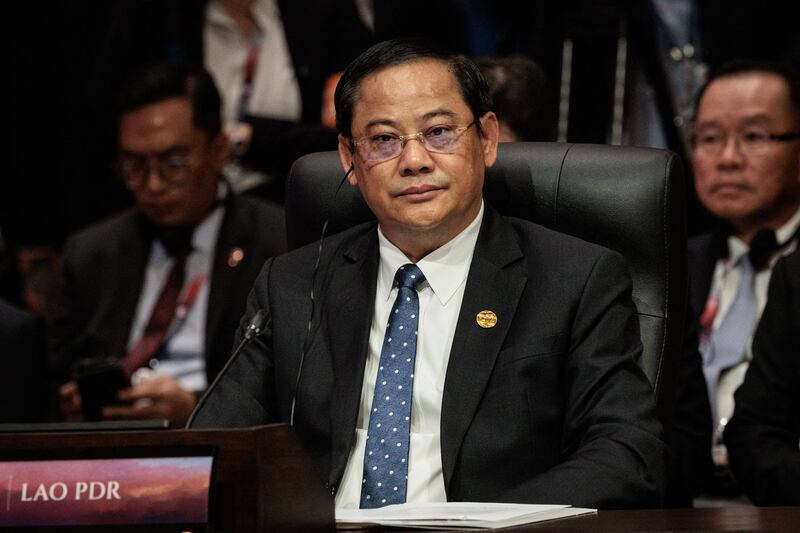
pixel 386 454
pixel 727 344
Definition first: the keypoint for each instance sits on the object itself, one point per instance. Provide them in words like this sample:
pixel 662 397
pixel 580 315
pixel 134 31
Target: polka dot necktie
pixel 386 454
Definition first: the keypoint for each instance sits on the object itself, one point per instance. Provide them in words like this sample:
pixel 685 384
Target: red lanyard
pixel 185 303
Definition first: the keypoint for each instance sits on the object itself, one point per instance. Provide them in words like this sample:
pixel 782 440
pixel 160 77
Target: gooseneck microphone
pixel 313 300
pixel 253 330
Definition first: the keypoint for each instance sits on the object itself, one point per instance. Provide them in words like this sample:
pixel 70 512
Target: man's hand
pixel 69 400
pixel 158 396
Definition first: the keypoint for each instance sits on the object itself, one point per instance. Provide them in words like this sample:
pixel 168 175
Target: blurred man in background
pixel 159 289
pixel 746 158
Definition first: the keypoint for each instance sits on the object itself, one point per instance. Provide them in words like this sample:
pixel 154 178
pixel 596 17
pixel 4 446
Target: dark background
pixel 65 61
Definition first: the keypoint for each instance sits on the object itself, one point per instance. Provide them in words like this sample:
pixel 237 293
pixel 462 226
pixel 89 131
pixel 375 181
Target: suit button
pixel 235 256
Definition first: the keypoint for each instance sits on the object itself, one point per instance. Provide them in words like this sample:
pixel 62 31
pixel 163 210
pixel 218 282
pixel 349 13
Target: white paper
pixel 458 514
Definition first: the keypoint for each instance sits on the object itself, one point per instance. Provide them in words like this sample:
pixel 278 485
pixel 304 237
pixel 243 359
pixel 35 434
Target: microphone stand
pixel 253 330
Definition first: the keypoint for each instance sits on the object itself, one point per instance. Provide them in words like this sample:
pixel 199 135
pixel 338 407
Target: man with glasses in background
pixel 452 353
pixel 157 291
pixel 746 159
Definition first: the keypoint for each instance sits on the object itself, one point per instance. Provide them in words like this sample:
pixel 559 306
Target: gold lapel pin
pixel 235 256
pixel 486 319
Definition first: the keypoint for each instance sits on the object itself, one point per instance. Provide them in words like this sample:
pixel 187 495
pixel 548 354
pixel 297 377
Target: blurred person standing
pixel 271 60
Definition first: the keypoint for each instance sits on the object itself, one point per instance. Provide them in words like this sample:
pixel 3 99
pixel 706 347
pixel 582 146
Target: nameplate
pixel 105 492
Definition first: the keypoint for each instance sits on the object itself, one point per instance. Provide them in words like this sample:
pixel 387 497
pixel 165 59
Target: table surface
pixel 776 519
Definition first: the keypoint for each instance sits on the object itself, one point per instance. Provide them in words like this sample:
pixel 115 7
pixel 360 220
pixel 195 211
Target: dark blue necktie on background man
pixel 386 455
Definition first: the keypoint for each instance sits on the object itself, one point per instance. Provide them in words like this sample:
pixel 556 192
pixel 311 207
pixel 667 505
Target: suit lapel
pixel 131 260
pixel 347 316
pixel 704 252
pixel 232 234
pixel 495 283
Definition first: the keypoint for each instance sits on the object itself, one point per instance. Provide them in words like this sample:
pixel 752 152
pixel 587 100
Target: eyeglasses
pixel 749 142
pixel 171 168
pixel 440 139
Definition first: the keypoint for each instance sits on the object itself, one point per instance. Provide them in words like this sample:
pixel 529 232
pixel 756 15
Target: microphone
pixel 313 300
pixel 253 330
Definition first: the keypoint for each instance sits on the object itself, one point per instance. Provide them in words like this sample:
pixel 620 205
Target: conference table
pixel 775 519
pixel 264 480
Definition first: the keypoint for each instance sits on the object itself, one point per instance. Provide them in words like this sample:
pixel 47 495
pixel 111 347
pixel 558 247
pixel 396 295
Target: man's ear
pixel 346 157
pixel 491 136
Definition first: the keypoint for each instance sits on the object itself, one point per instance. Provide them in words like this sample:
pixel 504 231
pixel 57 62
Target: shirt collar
pixel 205 235
pixel 737 248
pixel 785 232
pixel 445 268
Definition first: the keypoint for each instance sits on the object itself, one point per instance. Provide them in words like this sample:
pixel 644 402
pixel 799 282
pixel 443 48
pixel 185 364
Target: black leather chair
pixel 627 199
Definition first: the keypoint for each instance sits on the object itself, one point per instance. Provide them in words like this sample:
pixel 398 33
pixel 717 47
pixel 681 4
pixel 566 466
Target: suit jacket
pixel 104 269
pixel 547 406
pixel 23 383
pixel 763 434
pixel 703 253
pixel 691 470
pixel 690 467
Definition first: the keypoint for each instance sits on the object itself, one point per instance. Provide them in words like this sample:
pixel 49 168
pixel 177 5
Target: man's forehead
pixel 166 121
pixel 425 88
pixel 735 117
pixel 426 67
pixel 159 112
pixel 752 95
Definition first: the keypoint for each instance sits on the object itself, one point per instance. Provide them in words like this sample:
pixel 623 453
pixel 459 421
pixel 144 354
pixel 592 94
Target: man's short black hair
pixel 173 79
pixel 521 96
pixel 400 51
pixel 742 66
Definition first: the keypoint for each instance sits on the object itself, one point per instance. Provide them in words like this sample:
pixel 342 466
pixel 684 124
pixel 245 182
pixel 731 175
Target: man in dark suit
pixel 23 386
pixel 162 286
pixel 507 371
pixel 763 435
pixel 746 160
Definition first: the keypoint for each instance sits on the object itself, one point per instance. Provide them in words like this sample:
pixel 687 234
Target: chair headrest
pixel 625 198
pixel 631 200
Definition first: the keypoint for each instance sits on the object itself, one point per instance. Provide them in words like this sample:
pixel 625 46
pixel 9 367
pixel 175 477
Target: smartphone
pixel 99 381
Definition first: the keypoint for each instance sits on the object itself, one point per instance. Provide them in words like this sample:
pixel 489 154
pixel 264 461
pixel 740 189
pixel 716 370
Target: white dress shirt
pixel 440 297
pixel 186 346
pixel 275 92
pixel 725 284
